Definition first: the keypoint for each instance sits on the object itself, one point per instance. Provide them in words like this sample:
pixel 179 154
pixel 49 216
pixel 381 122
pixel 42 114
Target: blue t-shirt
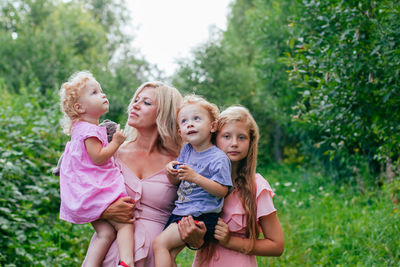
pixel 212 164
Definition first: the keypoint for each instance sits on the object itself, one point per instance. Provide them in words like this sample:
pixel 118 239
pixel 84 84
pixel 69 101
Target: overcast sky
pixel 169 29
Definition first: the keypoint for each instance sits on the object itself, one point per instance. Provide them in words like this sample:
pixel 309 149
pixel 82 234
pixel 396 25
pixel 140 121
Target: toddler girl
pixel 89 179
pixel 204 177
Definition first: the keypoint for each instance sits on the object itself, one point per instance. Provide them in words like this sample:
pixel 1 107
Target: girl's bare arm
pixel 99 154
pixel 212 187
pixel 271 245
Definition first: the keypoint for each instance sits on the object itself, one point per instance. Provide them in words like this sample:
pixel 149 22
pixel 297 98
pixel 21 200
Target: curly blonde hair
pixel 169 100
pixel 69 95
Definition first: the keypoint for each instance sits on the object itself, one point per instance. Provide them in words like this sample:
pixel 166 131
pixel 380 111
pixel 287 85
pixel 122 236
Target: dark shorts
pixel 209 219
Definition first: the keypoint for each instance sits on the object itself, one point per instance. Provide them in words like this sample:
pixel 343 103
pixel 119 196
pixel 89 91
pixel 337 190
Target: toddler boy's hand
pixel 119 136
pixel 170 167
pixel 186 173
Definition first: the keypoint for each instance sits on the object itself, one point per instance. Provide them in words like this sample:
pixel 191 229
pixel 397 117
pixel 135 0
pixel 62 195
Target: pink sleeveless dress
pixel 86 189
pixel 154 197
pixel 234 215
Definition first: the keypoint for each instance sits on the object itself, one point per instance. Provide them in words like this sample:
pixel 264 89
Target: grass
pixel 328 225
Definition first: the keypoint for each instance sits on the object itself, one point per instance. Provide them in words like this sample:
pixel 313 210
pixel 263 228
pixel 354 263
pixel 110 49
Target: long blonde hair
pixel 244 182
pixel 245 179
pixel 169 100
pixel 69 94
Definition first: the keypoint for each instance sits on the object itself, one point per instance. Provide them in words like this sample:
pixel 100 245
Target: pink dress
pixel 155 201
pixel 86 189
pixel 234 215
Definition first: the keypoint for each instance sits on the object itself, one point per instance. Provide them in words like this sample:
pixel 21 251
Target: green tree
pixel 347 66
pixel 244 65
pixel 47 41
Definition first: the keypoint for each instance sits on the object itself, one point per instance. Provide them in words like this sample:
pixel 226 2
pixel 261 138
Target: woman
pixel 152 142
pixel 247 208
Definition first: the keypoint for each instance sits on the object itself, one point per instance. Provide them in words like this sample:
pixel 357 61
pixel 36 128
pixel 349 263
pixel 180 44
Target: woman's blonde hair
pixel 69 94
pixel 169 100
pixel 244 182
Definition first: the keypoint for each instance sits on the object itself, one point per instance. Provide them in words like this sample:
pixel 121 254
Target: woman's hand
pixel 120 210
pixel 192 232
pixel 221 232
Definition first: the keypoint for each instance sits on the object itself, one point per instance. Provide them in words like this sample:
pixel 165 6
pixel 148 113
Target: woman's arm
pixel 191 232
pixel 120 211
pixel 212 187
pixel 271 245
pixel 99 154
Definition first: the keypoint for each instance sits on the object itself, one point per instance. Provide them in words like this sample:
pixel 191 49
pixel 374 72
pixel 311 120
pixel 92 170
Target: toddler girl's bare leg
pixel 125 242
pixel 99 248
pixel 165 246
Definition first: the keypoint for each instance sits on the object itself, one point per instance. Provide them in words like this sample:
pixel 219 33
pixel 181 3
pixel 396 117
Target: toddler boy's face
pixel 195 125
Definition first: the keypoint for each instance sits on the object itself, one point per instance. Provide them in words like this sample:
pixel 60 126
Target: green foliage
pixel 330 65
pixel 346 65
pixel 222 71
pixel 49 45
pixel 47 41
pixel 31 233
pixel 328 224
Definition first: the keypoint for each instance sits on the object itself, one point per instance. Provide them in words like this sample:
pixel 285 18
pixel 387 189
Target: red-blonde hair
pixel 193 99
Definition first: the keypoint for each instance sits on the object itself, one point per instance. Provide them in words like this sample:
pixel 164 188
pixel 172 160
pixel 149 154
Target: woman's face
pixel 143 112
pixel 233 138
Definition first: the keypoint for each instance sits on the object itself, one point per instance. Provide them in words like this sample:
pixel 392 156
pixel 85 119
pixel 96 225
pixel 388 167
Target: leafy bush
pixel 31 233
pixel 345 61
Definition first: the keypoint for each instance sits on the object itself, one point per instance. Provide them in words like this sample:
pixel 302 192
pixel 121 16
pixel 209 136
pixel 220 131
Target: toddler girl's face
pixel 233 138
pixel 195 125
pixel 93 100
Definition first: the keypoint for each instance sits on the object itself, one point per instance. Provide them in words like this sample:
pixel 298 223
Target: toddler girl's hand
pixel 119 136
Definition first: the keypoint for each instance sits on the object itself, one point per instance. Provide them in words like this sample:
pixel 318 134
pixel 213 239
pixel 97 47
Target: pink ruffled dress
pixel 87 189
pixel 154 197
pixel 234 215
